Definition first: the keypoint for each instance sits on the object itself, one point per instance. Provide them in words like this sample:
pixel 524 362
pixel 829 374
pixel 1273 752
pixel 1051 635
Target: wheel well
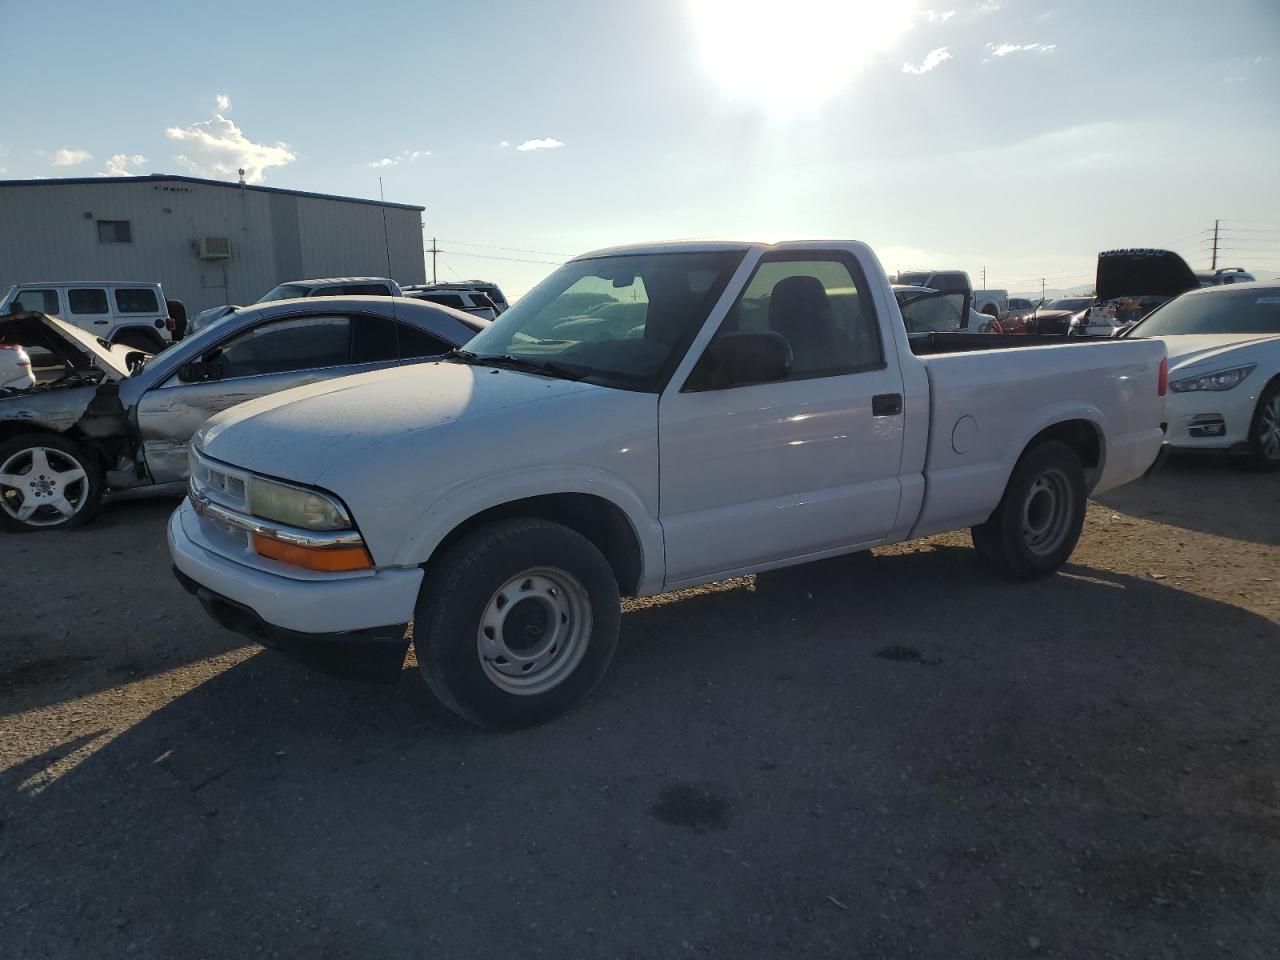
pixel 150 334
pixel 990 311
pixel 600 521
pixel 1081 436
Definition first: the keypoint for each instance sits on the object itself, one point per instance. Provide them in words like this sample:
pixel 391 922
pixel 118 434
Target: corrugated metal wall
pixel 50 232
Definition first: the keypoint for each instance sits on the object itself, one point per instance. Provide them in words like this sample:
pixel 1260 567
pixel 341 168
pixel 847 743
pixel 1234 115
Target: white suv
pixel 132 314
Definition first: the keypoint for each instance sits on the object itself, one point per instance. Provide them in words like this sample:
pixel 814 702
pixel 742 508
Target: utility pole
pixel 984 277
pixel 1215 245
pixel 434 251
pixel 1042 288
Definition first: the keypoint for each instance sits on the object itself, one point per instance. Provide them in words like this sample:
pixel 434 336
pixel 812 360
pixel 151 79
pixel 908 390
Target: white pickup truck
pixel 646 419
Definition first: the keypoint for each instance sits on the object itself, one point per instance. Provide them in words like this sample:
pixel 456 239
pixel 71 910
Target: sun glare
pixel 798 54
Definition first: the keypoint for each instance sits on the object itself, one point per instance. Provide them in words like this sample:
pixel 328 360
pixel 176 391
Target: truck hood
pixel 1188 350
pixel 1143 273
pixel 298 434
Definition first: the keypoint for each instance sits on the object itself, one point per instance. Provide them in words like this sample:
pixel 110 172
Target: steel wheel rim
pixel 42 486
pixel 1046 513
pixel 534 631
pixel 1269 429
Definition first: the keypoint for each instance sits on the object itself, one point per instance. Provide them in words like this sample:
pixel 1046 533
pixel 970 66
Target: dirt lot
pixel 888 756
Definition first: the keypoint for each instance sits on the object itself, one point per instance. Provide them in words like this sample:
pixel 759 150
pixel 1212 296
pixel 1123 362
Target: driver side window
pixel 818 306
pixel 302 343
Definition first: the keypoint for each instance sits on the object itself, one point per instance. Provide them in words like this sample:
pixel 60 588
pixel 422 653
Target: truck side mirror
pixel 737 359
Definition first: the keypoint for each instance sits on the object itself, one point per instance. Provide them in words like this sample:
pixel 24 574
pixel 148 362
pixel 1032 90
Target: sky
pixel 1016 136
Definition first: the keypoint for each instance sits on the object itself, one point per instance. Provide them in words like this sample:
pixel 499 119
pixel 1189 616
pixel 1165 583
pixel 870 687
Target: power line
pixel 494 246
pixel 485 256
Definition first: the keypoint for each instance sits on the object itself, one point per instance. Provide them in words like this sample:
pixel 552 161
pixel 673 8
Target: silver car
pixel 104 419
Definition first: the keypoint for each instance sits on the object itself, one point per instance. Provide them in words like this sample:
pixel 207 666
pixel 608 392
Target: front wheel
pixel 1038 521
pixel 1264 431
pixel 517 622
pixel 46 482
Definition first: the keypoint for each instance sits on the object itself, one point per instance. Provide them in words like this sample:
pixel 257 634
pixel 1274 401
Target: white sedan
pixel 15 367
pixel 1224 369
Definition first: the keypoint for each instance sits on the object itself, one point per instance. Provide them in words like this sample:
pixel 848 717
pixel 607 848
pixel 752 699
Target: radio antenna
pixel 386 242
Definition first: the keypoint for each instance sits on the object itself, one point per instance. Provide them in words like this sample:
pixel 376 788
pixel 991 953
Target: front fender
pixel 463 502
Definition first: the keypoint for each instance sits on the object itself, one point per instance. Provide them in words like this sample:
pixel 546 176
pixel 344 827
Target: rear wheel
pixel 46 482
pixel 1264 432
pixel 517 622
pixel 1038 521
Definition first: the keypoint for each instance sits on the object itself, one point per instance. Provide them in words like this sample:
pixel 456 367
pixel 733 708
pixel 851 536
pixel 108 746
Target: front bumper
pixel 1211 420
pixel 356 626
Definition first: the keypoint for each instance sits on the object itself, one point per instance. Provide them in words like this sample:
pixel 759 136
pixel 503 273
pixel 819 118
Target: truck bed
pixel 931 344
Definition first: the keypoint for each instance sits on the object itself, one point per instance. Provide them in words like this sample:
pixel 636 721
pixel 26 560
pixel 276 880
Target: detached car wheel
pixel 1264 432
pixel 516 623
pixel 1035 528
pixel 46 482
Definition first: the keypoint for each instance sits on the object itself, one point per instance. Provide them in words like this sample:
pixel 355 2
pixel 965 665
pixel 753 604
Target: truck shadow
pixel 1206 494
pixel 896 733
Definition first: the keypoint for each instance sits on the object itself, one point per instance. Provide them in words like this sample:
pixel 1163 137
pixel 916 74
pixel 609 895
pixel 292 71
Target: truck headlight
pixel 296 506
pixel 1217 381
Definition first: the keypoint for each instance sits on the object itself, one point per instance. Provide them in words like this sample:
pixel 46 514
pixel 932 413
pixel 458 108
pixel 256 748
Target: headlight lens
pixel 1218 380
pixel 296 506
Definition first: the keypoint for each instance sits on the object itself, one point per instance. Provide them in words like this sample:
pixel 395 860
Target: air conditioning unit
pixel 215 248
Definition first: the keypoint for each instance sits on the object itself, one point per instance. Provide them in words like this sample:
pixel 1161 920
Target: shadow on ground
pixel 94 607
pixel 869 757
pixel 1207 494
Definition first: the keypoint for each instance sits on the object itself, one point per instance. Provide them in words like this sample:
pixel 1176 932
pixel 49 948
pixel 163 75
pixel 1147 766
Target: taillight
pixel 1164 376
pixel 170 324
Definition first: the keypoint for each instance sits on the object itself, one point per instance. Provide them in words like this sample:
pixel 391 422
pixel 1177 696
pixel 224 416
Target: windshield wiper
pixel 508 362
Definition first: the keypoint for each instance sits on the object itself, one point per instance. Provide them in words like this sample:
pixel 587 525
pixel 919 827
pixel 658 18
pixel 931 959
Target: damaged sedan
pixel 102 419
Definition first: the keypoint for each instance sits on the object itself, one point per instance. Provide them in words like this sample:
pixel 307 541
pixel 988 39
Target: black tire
pixel 464 587
pixel 1264 454
pixel 84 495
pixel 1035 528
pixel 140 339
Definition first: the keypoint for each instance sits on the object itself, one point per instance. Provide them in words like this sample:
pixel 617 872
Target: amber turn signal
pixel 325 559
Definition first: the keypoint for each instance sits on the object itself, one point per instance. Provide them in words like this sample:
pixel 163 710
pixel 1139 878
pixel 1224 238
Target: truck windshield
pixel 1244 311
pixel 623 321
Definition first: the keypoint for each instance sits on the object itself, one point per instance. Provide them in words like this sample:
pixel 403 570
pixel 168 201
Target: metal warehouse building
pixel 208 242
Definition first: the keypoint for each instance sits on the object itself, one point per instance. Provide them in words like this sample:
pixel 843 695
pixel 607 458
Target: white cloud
pixel 546 143
pixel 933 16
pixel 219 149
pixel 990 6
pixel 502 144
pixel 1004 49
pixel 934 58
pixel 66 157
pixel 406 156
pixel 116 166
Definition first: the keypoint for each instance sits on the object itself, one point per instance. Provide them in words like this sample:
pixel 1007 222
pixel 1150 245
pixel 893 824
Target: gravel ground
pixel 882 756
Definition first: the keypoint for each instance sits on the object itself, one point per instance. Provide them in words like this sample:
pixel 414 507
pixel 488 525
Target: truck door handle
pixel 886 405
